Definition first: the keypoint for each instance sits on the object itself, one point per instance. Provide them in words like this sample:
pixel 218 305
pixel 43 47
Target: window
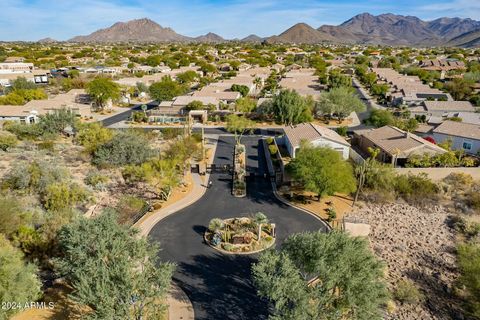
pixel 467 145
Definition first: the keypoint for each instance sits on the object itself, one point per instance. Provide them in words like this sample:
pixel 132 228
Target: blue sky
pixel 63 19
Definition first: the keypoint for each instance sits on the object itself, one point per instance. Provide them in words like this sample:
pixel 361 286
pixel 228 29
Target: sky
pixel 63 19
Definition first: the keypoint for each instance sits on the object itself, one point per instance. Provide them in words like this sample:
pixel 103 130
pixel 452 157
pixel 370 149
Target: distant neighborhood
pixel 329 173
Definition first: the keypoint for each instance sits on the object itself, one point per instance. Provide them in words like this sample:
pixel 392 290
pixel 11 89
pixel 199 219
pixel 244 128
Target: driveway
pixel 219 285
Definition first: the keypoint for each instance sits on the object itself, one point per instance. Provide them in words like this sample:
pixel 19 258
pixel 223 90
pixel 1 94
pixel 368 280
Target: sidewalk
pixel 179 305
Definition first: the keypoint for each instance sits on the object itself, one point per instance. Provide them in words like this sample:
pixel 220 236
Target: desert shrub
pixel 269 140
pixel 332 214
pixel 228 247
pixel 61 195
pixel 273 149
pixel 407 292
pixel 469 264
pixel 139 116
pixel 124 148
pixel 12 215
pixel 97 180
pixel 459 180
pixel 7 140
pixel 34 176
pixel 23 131
pixel 171 133
pixel 413 187
pixel 57 121
pixel 92 135
pixel 48 145
pixel 127 207
pixel 473 199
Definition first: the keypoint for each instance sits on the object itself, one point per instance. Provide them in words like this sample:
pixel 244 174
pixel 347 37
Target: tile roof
pixel 394 140
pixel 449 106
pixel 459 129
pixel 311 132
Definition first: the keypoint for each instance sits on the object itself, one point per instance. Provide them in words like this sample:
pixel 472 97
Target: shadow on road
pixel 222 283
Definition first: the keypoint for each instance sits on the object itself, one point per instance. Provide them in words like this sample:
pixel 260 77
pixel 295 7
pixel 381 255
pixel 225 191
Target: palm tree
pixel 260 219
pixel 215 224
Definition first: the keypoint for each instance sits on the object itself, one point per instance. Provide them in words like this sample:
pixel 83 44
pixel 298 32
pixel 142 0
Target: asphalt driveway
pixel 219 285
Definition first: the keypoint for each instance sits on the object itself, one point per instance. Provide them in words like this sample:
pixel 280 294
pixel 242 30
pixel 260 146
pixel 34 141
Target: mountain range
pixel 385 29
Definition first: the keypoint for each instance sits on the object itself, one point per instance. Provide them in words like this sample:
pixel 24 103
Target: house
pixel 318 136
pixel 408 90
pixel 395 145
pixel 75 100
pixel 15 67
pixel 464 136
pixel 442 108
pixel 442 64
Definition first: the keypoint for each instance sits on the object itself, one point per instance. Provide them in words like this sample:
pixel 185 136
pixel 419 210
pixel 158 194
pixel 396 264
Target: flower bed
pixel 239 188
pixel 241 235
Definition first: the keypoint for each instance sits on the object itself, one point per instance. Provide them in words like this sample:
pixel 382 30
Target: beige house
pixel 394 144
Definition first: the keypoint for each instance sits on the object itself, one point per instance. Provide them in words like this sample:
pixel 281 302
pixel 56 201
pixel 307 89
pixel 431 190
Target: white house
pixel 464 136
pixel 318 136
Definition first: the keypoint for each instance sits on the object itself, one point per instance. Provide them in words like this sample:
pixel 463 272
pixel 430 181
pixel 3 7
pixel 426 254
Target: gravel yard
pixel 416 244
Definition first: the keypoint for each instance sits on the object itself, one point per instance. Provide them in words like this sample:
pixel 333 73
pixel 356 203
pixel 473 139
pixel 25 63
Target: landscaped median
pixel 243 235
pixel 239 188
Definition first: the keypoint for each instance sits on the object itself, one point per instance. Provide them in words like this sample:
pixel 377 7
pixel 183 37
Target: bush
pixel 273 149
pixel 473 199
pixel 215 224
pixel 47 145
pixel 342 131
pixel 469 264
pixel 124 148
pixel 23 130
pixel 57 121
pixel 139 116
pixel 59 196
pixel 269 140
pixel 332 214
pixel 407 292
pixel 34 176
pixel 413 187
pixel 96 180
pixel 7 141
pixel 92 135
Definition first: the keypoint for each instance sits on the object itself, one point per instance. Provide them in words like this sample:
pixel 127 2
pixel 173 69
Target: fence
pixel 440 173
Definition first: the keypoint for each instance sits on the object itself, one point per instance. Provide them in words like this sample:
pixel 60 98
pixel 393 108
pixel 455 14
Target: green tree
pixel 18 281
pixel 187 77
pixel 380 118
pixel 102 90
pixel 244 90
pixel 119 277
pixel 340 102
pixel 166 89
pixel 245 104
pixel 239 126
pixel 127 147
pixel 322 170
pixel 459 88
pixel 289 108
pixel 311 278
pixel 337 79
pixel 195 105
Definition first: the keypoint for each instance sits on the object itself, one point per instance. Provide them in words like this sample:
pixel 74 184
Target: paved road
pixel 126 114
pixel 219 285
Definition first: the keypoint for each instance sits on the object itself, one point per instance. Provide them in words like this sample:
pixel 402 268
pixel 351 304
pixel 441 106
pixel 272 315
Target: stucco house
pixel 464 136
pixel 318 136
